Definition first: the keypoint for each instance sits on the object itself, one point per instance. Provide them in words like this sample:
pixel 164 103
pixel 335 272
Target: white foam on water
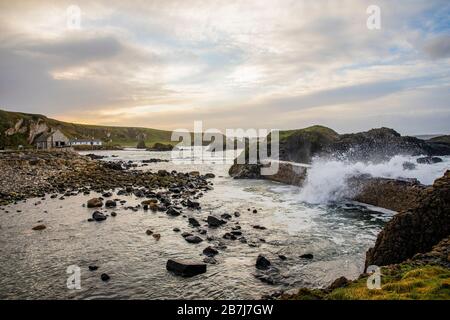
pixel 327 179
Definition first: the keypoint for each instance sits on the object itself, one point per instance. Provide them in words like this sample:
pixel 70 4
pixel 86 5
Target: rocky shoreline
pixel 413 251
pixel 30 174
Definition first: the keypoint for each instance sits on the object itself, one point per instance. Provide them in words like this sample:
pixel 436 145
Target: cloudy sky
pixel 232 64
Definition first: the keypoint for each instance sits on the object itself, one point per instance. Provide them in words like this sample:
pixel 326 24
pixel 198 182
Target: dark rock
pixel 262 263
pixel 110 204
pixel 39 227
pixel 255 211
pixel 186 234
pixel 92 268
pixel 184 268
pixel 229 236
pixel 94 203
pixel 192 204
pixel 194 222
pixel 259 227
pixel 113 214
pixel 415 229
pixel 149 232
pixel 107 194
pixel 105 277
pixel 173 212
pixel 307 256
pixel 225 216
pixel 338 283
pixel 210 251
pixel 214 222
pixel 98 216
pixel 408 165
pixel 210 176
pixel 237 214
pixel 193 239
pixel 210 260
pixel 282 257
pixel 429 160
pixel 176 229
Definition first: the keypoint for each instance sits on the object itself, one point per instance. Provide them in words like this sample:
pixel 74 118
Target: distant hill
pixel 441 139
pixel 18 128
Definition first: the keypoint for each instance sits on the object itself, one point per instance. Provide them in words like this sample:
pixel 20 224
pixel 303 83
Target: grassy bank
pixel 398 282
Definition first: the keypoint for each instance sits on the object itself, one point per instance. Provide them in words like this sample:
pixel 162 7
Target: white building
pixel 86 142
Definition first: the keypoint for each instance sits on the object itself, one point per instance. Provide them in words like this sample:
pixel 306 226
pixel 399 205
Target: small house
pixel 50 140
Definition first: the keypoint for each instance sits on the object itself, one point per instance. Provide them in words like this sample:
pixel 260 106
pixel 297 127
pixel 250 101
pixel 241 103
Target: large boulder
pixel 185 268
pixel 416 229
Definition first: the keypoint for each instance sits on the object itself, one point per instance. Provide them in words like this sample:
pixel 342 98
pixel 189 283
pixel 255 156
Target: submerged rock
pixel 429 160
pixel 39 227
pixel 214 222
pixel 98 216
pixel 262 263
pixel 105 277
pixel 185 268
pixel 210 251
pixel 193 239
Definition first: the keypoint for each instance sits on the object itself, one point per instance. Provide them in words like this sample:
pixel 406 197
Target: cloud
pixel 438 47
pixel 230 63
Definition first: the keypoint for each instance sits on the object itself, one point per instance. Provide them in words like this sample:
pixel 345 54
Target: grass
pixel 398 282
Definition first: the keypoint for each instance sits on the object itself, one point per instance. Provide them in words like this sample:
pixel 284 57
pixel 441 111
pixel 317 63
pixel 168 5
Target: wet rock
pixel 194 222
pixel 229 236
pixel 173 212
pixel 429 160
pixel 258 227
pixel 110 204
pixel 157 236
pixel 210 260
pixel 94 203
pixel 185 268
pixel 98 216
pixel 210 251
pixel 214 222
pixel 92 268
pixel 39 227
pixel 307 256
pixel 225 216
pixel 408 165
pixel 105 277
pixel 338 283
pixel 262 263
pixel 193 239
pixel 192 204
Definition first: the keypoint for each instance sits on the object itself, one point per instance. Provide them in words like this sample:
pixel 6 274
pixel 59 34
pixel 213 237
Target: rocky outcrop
pixel 392 194
pixel 416 229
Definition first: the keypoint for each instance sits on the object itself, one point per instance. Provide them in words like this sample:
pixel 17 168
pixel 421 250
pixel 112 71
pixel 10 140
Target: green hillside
pixel 21 127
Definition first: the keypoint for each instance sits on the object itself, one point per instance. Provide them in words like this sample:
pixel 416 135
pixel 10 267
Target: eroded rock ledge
pixel 419 227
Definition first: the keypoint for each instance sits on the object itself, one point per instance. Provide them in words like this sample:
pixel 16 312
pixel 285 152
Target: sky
pixel 271 64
